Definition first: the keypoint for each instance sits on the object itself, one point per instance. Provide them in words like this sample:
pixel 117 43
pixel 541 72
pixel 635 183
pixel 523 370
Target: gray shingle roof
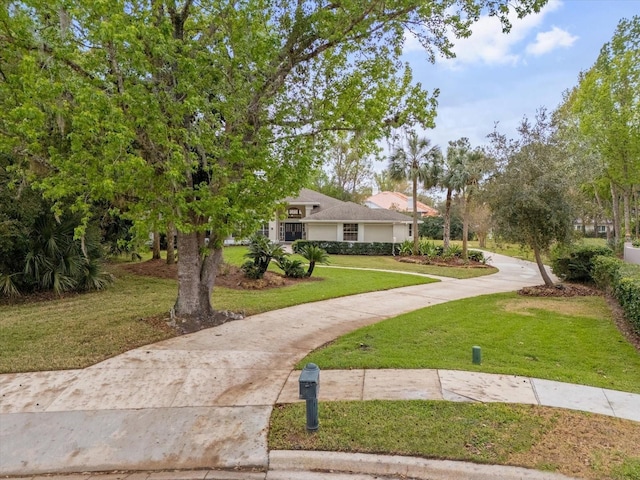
pixel 311 197
pixel 352 212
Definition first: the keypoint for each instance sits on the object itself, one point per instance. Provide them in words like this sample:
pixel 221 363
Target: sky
pixel 498 77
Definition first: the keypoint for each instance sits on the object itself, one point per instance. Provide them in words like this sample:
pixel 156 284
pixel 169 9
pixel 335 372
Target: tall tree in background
pixel 530 197
pixel 603 109
pixel 207 114
pixel 416 161
pixel 348 170
pixel 384 183
pixel 464 169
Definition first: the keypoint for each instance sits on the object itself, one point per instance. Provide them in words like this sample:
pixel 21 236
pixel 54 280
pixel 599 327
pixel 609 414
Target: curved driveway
pixel 201 400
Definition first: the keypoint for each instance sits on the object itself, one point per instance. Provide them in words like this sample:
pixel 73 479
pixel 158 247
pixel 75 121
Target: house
pixel 314 216
pixel 399 202
pixel 589 227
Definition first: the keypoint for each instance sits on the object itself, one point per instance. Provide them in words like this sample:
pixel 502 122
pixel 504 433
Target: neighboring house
pixel 399 202
pixel 314 216
pixel 589 227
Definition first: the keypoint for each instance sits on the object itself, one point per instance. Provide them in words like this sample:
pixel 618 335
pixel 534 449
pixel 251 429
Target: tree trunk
pixel 156 245
pixel 171 253
pixel 543 271
pixel 196 276
pixel 626 199
pixel 416 238
pixel 615 207
pixel 482 240
pixel 446 235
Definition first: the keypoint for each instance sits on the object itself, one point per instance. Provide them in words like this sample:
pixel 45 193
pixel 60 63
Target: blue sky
pixel 500 77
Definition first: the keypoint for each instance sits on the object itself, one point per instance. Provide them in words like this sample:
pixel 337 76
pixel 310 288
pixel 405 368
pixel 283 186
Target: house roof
pixel 352 212
pixel 399 202
pixel 311 197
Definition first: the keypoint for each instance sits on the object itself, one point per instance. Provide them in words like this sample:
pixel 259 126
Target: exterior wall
pixel 631 254
pixel 323 231
pixel 401 232
pixel 377 233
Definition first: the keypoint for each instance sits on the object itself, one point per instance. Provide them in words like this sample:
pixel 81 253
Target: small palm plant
pixel 314 254
pixel 261 252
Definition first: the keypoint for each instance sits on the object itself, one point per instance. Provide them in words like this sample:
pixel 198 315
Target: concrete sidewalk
pixel 204 400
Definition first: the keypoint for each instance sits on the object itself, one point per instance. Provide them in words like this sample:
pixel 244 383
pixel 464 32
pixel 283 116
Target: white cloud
pixel 548 41
pixel 488 45
pixel 411 43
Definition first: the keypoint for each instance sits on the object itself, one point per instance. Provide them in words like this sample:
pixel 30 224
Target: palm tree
pixel 314 254
pixel 417 161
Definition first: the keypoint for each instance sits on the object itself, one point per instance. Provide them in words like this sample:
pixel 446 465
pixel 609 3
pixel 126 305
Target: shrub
pixel 623 281
pixel 406 248
pixel 252 270
pixel 348 248
pixel 261 252
pixel 476 256
pixel 313 255
pixel 576 263
pixel 452 252
pixel 427 248
pixel 291 268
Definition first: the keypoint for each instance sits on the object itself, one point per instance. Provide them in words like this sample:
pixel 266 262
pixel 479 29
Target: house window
pixel 350 232
pixel 264 230
pixel 294 212
pixel 602 229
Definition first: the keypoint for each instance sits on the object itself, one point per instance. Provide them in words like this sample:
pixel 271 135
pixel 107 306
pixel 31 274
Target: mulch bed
pixel 229 276
pixel 440 262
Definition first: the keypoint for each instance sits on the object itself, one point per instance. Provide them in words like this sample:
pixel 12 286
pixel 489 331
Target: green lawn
pixel 80 330
pixel 578 444
pixel 567 339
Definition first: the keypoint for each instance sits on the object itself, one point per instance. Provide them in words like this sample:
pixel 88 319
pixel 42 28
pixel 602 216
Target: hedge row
pixel 623 281
pixel 575 264
pixel 348 248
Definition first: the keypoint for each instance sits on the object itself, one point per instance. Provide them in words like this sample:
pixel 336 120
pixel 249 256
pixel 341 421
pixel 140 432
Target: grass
pixel 81 330
pixel 335 283
pixel 235 256
pixel 574 443
pixel 568 339
pixel 390 263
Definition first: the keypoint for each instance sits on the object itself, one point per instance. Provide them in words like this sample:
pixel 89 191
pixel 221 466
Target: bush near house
pixel 347 248
pixel 623 281
pixel 575 263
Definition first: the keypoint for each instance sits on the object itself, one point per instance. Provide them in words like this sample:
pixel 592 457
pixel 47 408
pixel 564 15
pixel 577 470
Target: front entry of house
pixel 292 232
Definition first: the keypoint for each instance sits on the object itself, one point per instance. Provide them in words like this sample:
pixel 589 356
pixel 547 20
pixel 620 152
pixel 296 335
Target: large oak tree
pixel 207 113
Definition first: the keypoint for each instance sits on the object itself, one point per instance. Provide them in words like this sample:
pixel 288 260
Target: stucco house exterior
pixel 315 216
pixel 399 202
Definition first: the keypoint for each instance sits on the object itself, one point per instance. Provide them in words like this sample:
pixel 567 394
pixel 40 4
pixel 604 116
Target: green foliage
pixel 207 114
pixel 348 248
pixel 433 228
pixel 530 197
pixel 636 243
pixel 575 263
pixel 427 248
pixel 563 339
pixel 405 248
pixel 261 251
pixel 623 280
pixel 417 161
pixel 476 256
pixel 313 254
pixel 292 268
pixel 454 250
pixel 605 272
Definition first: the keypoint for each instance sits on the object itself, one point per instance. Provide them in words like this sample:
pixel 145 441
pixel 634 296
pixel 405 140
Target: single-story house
pixel 399 202
pixel 589 227
pixel 315 216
